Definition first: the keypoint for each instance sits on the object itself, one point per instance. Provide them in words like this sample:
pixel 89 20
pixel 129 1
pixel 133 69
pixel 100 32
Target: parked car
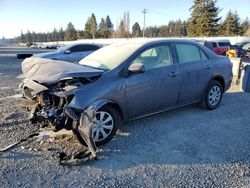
pixel 128 80
pixel 236 51
pixel 34 46
pixel 246 47
pixel 220 47
pixel 71 53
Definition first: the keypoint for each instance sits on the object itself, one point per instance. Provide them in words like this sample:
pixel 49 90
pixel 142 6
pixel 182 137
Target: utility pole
pixel 144 11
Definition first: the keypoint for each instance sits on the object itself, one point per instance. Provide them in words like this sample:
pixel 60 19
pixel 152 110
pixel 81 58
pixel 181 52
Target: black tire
pixel 116 123
pixel 213 95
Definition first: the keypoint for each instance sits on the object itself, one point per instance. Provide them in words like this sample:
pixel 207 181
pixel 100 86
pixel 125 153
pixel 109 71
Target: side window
pixel 89 47
pixel 75 48
pixel 155 57
pixel 189 53
pixel 224 44
pixel 151 52
pixel 84 48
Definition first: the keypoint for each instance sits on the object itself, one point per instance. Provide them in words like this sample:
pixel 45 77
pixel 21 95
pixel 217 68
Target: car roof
pixel 220 40
pixel 149 41
pixel 74 44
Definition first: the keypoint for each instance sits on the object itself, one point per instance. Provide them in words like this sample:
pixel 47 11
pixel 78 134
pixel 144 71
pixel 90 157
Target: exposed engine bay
pixel 48 104
pixel 47 100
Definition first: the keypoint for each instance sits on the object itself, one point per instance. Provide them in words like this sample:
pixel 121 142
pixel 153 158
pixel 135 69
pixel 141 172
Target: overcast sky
pixel 44 15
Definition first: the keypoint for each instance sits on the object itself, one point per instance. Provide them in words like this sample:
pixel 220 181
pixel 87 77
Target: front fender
pixel 95 105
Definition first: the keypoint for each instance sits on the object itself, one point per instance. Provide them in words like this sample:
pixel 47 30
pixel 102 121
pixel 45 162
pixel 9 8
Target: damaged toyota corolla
pixel 124 81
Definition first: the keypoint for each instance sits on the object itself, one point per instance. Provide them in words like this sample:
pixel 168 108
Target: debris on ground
pixel 18 142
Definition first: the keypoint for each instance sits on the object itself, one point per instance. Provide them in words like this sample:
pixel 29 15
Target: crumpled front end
pixel 49 88
pixel 48 105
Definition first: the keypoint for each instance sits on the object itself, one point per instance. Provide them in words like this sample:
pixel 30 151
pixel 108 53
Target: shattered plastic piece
pixel 84 127
pixel 76 158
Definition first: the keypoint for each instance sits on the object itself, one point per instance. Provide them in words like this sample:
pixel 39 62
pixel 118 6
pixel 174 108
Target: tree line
pixel 204 21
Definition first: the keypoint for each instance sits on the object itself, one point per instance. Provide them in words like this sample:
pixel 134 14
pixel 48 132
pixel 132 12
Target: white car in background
pixel 71 53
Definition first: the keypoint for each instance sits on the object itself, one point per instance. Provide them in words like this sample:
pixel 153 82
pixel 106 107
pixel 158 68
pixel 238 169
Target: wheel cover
pixel 102 126
pixel 214 95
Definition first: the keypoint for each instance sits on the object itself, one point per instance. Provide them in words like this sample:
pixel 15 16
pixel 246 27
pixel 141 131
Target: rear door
pixel 157 88
pixel 196 72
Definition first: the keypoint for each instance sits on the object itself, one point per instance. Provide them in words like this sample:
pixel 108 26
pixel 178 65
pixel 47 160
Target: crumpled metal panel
pixel 51 71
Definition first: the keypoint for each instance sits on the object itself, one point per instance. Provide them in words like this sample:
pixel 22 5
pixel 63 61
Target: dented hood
pixel 49 71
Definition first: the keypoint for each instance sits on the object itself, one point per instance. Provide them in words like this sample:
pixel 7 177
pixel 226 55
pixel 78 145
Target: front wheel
pixel 105 126
pixel 213 95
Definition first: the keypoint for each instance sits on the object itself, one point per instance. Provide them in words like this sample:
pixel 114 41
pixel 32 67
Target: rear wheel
pixel 213 95
pixel 105 126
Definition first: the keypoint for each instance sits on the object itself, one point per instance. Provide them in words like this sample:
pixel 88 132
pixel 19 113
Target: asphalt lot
pixel 188 147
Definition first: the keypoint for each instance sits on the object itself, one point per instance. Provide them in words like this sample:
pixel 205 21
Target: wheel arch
pixel 107 102
pixel 221 80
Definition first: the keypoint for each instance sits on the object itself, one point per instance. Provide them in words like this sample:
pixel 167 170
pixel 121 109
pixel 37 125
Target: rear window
pixel 189 53
pixel 224 44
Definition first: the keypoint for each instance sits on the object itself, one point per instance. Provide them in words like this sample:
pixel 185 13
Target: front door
pixel 155 89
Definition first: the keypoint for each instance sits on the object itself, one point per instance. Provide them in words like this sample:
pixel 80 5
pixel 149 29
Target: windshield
pixel 111 56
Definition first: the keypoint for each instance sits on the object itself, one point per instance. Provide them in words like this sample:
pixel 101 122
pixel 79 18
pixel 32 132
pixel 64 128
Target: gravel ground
pixel 188 147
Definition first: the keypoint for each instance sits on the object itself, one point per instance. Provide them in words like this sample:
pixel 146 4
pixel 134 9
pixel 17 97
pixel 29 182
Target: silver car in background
pixel 127 81
pixel 71 53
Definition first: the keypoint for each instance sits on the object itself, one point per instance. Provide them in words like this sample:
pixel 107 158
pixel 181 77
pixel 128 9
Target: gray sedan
pixel 127 81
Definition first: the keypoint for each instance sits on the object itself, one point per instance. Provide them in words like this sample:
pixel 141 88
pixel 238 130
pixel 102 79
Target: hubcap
pixel 102 126
pixel 214 95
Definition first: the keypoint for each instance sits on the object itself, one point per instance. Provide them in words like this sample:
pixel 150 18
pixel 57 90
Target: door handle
pixel 208 67
pixel 174 74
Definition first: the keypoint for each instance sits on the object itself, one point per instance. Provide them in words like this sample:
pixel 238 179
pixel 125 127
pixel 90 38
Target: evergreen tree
pixel 55 36
pixel 204 18
pixel 88 29
pixel 61 34
pixel 80 34
pixel 136 30
pixel 210 19
pixel 28 38
pixel 34 37
pixel 196 9
pixel 70 33
pixel 231 25
pixel 22 37
pixel 49 37
pixel 109 25
pixel 102 29
pixel 91 27
pixel 152 31
pixel 245 25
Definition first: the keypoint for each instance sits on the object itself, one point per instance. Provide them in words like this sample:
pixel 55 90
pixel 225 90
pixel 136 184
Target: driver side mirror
pixel 136 68
pixel 67 52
